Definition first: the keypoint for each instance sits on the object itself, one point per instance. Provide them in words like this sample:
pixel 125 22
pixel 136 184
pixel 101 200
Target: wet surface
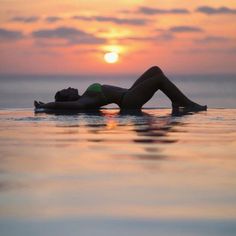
pixel 107 173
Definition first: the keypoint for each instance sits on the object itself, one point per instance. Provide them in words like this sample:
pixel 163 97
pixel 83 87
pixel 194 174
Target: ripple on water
pixel 109 165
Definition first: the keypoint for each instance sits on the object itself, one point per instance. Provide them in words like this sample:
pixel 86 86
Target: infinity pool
pixel 107 173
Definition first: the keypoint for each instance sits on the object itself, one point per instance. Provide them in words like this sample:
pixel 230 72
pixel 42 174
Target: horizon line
pixel 113 74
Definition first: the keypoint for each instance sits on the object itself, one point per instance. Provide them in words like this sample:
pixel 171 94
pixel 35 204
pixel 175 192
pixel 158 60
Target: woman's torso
pixel 114 94
pixel 104 94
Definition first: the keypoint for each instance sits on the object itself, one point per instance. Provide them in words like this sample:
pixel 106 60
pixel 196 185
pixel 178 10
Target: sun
pixel 111 57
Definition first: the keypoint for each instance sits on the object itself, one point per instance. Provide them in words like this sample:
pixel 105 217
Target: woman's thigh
pixel 131 101
pixel 136 97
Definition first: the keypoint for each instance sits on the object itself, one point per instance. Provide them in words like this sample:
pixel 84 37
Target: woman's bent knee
pixel 155 69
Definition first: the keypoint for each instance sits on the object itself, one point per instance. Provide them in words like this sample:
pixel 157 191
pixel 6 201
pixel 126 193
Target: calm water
pixel 20 91
pixel 112 174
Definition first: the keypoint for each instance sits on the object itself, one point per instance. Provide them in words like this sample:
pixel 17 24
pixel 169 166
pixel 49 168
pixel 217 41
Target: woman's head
pixel 66 95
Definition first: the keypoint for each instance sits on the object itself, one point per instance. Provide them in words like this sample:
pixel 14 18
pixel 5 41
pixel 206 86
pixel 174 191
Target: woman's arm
pixel 83 103
pixel 59 105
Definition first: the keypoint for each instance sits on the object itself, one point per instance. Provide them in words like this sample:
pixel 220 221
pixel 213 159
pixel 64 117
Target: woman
pixel 135 97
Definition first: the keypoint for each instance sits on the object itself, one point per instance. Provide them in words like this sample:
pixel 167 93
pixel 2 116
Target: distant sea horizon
pixel 20 90
pixel 115 74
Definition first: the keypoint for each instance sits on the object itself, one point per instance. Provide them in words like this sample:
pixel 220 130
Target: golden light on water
pixel 111 57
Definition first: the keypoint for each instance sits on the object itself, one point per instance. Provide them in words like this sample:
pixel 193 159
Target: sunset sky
pixel 72 36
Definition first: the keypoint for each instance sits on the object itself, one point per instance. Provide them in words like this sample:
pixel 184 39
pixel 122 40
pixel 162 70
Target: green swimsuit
pixel 97 88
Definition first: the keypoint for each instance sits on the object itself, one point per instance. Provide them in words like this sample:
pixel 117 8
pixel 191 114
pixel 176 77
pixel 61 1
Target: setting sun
pixel 111 57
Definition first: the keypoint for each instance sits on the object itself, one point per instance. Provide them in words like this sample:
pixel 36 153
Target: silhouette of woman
pixel 141 91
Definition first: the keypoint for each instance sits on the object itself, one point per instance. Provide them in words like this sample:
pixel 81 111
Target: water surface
pixel 106 173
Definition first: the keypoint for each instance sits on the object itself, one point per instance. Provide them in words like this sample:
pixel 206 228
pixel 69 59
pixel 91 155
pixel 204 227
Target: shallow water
pixel 107 173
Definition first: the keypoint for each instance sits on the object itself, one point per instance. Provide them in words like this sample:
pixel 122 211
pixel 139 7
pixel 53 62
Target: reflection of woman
pixel 135 97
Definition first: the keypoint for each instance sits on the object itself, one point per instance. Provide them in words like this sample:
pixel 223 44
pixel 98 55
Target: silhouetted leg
pixel 173 93
pixel 154 70
pixel 138 95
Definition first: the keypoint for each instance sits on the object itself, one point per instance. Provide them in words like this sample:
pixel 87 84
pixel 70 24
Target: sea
pixel 108 173
pixel 19 91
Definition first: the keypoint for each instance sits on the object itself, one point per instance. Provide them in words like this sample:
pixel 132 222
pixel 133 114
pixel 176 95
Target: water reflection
pixel 152 165
pixel 68 112
pixel 146 130
pixel 151 133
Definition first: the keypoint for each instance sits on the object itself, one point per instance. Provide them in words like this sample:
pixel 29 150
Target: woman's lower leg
pixel 177 98
pixel 173 93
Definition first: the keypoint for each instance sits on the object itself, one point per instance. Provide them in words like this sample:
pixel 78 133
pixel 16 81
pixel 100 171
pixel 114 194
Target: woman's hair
pixel 66 95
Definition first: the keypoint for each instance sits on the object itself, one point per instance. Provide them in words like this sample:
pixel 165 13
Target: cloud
pixel 128 21
pixel 185 29
pixel 135 38
pixel 163 36
pixel 211 10
pixel 166 36
pixel 52 19
pixel 212 39
pixel 10 34
pixel 229 51
pixel 88 50
pixel 153 11
pixel 30 19
pixel 71 35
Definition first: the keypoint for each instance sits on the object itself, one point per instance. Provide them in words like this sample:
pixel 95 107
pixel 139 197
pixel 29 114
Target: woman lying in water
pixel 141 91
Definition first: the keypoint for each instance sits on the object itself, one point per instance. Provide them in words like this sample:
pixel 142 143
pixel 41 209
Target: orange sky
pixel 71 36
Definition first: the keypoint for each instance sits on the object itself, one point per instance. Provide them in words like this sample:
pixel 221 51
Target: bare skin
pixel 133 98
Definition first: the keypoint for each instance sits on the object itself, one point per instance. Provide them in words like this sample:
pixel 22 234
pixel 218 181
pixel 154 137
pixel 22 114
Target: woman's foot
pixel 194 107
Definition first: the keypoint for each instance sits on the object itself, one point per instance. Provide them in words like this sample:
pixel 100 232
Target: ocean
pixel 19 91
pixel 106 173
